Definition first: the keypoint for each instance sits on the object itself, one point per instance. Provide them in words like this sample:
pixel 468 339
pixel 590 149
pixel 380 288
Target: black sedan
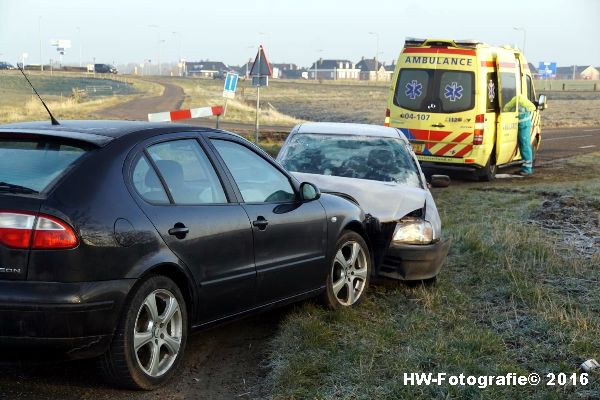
pixel 117 239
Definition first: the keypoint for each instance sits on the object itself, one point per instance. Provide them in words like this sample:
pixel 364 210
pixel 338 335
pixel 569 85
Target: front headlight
pixel 413 231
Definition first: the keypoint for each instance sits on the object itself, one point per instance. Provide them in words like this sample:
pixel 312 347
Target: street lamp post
pixel 153 26
pixel 376 55
pixel 518 28
pixel 179 62
pixel 40 38
pixel 160 42
pixel 79 31
pixel 317 63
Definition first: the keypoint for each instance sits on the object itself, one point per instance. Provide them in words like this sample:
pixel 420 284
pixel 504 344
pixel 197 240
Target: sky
pixel 292 31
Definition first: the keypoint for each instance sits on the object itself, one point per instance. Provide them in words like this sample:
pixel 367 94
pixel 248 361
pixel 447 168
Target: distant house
pixel 285 71
pixel 206 69
pixel 371 70
pixel 534 71
pixel 577 72
pixel 389 69
pixel 590 73
pixel 333 70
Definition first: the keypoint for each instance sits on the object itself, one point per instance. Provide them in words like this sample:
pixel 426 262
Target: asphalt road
pixel 567 142
pixel 225 362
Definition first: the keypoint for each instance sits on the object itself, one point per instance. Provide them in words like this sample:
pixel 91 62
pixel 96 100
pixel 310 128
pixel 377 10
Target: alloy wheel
pixel 349 273
pixel 158 332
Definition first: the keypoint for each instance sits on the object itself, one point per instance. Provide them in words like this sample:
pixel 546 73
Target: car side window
pixel 187 171
pixel 147 183
pixel 257 179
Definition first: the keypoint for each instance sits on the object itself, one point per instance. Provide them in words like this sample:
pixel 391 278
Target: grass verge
pixel 513 297
pixel 20 104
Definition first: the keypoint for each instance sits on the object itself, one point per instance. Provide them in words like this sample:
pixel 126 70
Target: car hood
pixel 386 201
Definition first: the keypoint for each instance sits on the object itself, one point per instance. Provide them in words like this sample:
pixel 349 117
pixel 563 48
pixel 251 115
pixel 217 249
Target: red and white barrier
pixel 176 115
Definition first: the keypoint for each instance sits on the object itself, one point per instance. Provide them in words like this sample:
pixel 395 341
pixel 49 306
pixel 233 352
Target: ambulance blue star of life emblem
pixel 491 91
pixel 453 91
pixel 413 89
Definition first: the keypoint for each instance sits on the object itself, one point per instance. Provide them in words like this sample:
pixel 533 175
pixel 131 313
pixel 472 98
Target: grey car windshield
pixel 351 156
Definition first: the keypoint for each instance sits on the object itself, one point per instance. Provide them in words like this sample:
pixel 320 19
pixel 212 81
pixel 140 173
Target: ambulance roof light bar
pixel 417 42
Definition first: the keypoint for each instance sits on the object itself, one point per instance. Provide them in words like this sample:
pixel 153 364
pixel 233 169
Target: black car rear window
pixel 34 163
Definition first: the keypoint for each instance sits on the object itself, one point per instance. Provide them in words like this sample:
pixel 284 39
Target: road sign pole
pixel 257 113
pixel 225 107
pixel 257 98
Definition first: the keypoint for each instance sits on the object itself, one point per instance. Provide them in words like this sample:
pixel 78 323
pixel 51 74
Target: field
pixel 518 294
pixel 287 102
pixel 66 95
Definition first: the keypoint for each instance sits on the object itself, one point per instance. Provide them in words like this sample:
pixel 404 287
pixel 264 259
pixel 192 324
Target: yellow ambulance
pixel 451 99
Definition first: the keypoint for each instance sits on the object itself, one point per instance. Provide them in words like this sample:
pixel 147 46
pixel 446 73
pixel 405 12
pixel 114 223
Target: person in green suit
pixel 525 109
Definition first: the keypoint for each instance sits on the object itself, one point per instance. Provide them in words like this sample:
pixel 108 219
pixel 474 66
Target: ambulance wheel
pixel 488 173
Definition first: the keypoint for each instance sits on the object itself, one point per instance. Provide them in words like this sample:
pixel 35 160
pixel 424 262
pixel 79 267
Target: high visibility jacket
pixel 525 108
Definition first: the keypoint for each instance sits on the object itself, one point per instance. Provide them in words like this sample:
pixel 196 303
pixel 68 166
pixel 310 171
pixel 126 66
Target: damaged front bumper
pixel 409 262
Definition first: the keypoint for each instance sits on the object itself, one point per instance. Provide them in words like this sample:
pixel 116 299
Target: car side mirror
pixel 542 102
pixel 440 181
pixel 309 192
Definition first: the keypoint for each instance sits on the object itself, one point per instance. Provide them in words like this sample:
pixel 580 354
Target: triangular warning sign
pixel 261 66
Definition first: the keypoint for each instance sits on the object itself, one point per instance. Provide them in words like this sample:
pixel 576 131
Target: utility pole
pixel 376 56
pixel 40 38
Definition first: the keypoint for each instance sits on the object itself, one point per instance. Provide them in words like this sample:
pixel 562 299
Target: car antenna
pixel 52 119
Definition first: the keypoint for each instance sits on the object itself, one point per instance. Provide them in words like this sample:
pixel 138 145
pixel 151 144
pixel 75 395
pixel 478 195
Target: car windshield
pixel 351 156
pixel 34 163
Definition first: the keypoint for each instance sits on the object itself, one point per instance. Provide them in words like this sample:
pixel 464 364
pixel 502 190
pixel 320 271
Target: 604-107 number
pixel 420 117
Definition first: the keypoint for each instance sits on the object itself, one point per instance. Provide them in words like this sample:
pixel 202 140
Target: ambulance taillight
pixel 479 128
pixel 386 122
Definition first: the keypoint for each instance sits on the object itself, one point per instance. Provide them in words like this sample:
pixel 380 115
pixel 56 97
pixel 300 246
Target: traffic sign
pixel 260 81
pixel 261 66
pixel 231 80
pixel 547 70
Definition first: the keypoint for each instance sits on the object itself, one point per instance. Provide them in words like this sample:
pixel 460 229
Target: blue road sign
pixel 547 70
pixel 231 80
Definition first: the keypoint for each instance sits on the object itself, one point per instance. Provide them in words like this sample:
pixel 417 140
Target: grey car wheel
pixel 350 269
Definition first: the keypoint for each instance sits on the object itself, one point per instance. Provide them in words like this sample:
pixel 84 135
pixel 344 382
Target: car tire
pixel 349 272
pixel 156 317
pixel 488 173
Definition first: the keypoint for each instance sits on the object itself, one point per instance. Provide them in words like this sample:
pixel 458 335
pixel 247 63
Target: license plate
pixel 418 147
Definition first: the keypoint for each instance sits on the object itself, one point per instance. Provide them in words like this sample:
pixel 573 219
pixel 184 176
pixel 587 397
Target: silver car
pixel 375 167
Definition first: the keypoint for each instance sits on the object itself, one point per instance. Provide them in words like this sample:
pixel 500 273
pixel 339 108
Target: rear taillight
pixel 35 231
pixel 386 122
pixel 479 129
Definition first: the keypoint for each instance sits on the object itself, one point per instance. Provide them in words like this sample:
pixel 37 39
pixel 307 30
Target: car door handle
pixel 261 223
pixel 179 230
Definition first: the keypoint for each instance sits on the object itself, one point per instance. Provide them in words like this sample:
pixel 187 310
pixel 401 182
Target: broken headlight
pixel 413 231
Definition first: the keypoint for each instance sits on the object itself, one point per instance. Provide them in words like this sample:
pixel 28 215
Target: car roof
pixel 341 128
pixel 98 132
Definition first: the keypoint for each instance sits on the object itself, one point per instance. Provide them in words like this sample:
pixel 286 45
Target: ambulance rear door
pixel 452 102
pixel 508 117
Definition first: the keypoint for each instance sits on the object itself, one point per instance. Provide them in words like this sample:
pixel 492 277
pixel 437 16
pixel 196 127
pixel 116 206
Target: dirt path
pixel 138 109
pixel 226 362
